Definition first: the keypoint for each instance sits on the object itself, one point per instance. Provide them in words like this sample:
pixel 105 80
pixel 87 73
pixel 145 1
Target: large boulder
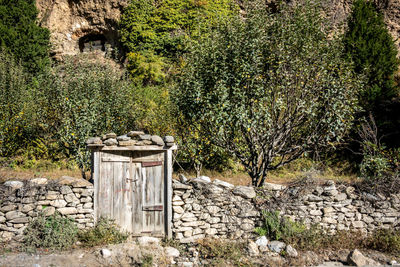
pixel 356 258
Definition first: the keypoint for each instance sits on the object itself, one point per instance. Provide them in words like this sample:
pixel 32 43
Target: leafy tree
pixel 13 102
pixel 89 99
pixel 372 49
pixel 154 32
pixel 21 36
pixel 270 87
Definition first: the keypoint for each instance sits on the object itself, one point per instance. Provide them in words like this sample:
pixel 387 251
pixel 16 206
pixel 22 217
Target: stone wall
pixel 335 207
pixel 20 202
pixel 202 209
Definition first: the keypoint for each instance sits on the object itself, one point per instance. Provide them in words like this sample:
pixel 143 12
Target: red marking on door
pixel 151 164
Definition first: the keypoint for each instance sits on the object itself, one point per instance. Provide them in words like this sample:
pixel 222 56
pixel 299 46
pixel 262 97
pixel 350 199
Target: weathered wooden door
pixel 148 194
pixel 131 191
pixel 115 189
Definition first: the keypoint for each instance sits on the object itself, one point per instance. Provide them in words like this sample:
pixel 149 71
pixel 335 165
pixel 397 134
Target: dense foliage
pixel 89 98
pixel 16 106
pixel 371 47
pixel 269 88
pixel 20 34
pixel 154 33
pixel 54 232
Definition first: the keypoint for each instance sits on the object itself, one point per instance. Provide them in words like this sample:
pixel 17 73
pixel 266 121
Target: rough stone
pixel 11 215
pixel 356 258
pixel 94 141
pixel 75 182
pixel 274 187
pixel 123 138
pixel 8 208
pixel 14 185
pixel 291 251
pixel 39 181
pixel 67 210
pixel 48 211
pixel 59 203
pixel 106 253
pixel 262 241
pixel 223 184
pixel 111 142
pixel 169 139
pixel 244 191
pixel 253 249
pixel 135 133
pixel 276 246
pixel 201 180
pixel 127 143
pixel 171 252
pixel 145 137
pixel 148 241
pixel 157 140
pixel 111 135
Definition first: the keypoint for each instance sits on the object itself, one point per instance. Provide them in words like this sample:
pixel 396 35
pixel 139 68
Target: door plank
pixel 136 193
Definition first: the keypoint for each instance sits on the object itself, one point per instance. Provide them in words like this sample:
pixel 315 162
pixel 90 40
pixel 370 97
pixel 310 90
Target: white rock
pixel 148 240
pixel 356 258
pixel 202 179
pixel 244 191
pixel 59 203
pixel 291 251
pixel 14 184
pixel 171 252
pixel 253 249
pixel 106 253
pixel 274 187
pixel 223 184
pixel 276 246
pixel 262 241
pixel 39 181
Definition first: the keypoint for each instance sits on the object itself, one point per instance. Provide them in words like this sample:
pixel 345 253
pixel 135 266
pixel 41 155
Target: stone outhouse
pixel 133 183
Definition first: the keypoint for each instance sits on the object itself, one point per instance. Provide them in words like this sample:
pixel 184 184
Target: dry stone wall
pixel 212 209
pixel 218 209
pixel 335 207
pixel 21 202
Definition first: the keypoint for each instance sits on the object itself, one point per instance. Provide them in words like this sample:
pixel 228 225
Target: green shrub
pixel 20 34
pixel 269 88
pixel 385 240
pixel 85 98
pixel 53 232
pixel 18 126
pixel 154 33
pixel 222 252
pixel 371 47
pixel 278 227
pixel 105 232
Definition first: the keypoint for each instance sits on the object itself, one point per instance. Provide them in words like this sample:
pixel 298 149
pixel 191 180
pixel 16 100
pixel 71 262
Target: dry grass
pixel 22 174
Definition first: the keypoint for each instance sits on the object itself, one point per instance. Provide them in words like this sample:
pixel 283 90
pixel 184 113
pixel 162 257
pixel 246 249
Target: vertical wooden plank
pixel 159 227
pixel 168 192
pixel 148 199
pixel 137 214
pixel 126 201
pixel 96 176
pixel 117 207
pixel 105 189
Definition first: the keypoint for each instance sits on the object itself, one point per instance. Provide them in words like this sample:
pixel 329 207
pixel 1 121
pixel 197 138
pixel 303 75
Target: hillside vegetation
pixel 245 86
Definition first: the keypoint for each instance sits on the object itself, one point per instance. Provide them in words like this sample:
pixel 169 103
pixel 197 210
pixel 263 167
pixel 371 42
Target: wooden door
pixel 114 197
pixel 148 194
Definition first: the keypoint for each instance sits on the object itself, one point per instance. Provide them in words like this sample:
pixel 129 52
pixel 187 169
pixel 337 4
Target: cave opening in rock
pixel 92 42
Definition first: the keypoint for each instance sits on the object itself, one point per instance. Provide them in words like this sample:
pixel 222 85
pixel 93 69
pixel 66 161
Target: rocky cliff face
pixel 79 25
